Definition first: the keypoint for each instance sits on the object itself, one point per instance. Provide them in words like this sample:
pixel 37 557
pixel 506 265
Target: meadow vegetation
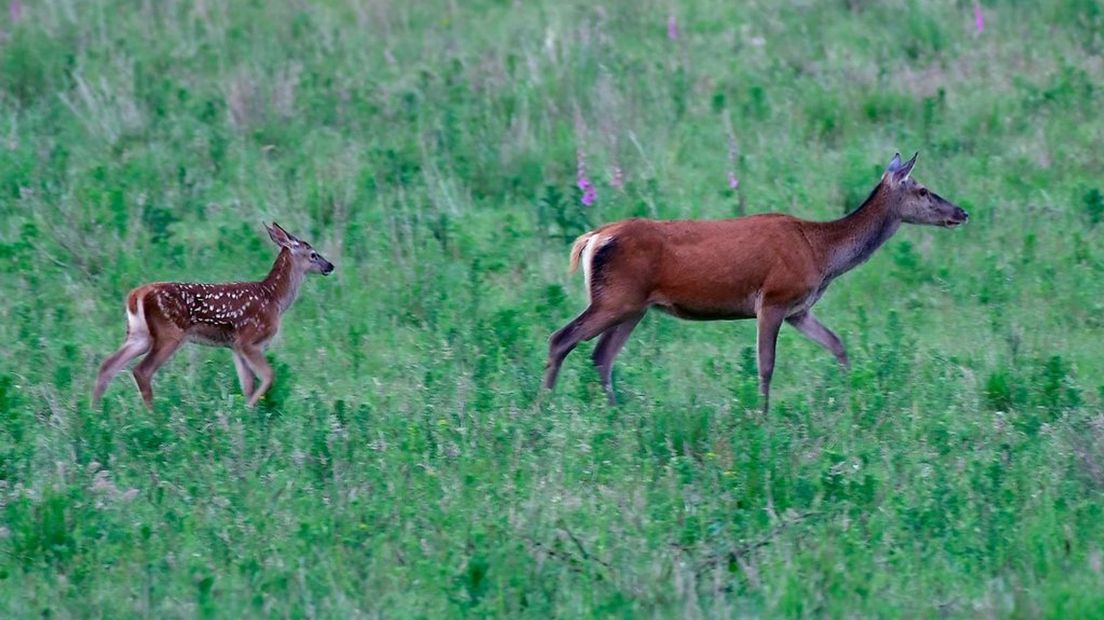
pixel 403 465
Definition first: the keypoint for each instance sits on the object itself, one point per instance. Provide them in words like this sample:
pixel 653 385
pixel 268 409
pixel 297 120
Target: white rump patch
pixel 137 329
pixel 592 245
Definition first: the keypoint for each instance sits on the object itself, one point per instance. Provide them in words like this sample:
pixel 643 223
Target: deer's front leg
pixel 770 320
pixel 245 375
pixel 816 331
pixel 255 358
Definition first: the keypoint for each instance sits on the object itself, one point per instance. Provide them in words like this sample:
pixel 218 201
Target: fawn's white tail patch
pixel 137 328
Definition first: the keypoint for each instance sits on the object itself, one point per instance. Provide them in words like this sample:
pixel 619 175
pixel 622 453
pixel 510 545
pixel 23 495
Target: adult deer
pixel 243 316
pixel 770 267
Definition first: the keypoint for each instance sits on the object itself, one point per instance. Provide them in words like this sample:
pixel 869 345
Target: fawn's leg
pixel 255 358
pixel 245 375
pixel 134 346
pixel 162 349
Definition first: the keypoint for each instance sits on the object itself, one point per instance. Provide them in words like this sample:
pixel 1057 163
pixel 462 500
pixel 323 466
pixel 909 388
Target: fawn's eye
pixel 314 255
pixel 923 191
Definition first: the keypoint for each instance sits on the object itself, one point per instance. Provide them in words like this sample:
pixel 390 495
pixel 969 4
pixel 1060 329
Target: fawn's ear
pixel 280 236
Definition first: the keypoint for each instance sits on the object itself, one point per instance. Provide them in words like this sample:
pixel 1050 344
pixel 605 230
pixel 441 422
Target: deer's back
pixel 212 314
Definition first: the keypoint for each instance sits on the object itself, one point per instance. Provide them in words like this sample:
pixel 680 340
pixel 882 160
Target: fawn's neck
pixel 283 281
pixel 852 239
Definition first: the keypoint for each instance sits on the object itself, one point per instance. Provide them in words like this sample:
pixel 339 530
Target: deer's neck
pixel 283 281
pixel 852 239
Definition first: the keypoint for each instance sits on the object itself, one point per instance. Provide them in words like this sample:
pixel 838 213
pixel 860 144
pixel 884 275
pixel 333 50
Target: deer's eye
pixel 314 255
pixel 923 191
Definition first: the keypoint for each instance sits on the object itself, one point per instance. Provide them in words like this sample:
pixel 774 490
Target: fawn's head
pixel 914 203
pixel 303 256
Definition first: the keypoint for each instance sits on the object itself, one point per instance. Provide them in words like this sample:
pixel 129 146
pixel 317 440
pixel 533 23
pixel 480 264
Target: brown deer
pixel 771 267
pixel 243 316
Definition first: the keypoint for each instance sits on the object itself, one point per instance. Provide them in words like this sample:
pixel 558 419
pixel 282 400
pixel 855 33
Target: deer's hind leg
pixel 161 350
pixel 590 323
pixel 136 344
pixel 609 345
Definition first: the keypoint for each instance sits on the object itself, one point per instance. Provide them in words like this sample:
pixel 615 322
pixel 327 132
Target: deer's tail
pixel 577 250
pixel 583 252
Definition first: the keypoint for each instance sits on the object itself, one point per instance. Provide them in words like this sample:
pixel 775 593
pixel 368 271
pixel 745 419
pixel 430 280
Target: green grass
pixel 403 465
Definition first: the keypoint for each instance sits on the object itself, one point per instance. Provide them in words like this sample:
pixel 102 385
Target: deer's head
pixel 914 203
pixel 303 256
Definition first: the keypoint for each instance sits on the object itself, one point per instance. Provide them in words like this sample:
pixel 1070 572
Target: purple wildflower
pixel 15 10
pixel 617 179
pixel 581 179
pixel 733 182
pixel 589 195
pixel 979 17
pixel 672 27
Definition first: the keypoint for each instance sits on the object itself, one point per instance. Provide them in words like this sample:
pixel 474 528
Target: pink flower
pixel 672 27
pixel 979 17
pixel 15 9
pixel 733 182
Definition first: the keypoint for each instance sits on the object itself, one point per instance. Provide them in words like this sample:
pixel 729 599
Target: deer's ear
pixel 894 164
pixel 904 170
pixel 279 236
pixel 897 171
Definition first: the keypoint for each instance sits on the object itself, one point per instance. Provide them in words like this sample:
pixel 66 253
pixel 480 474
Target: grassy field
pixel 403 465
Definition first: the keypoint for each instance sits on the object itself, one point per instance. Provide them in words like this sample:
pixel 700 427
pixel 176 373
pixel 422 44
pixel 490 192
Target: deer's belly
pixel 729 307
pixel 210 335
pixel 738 307
pixel 704 314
